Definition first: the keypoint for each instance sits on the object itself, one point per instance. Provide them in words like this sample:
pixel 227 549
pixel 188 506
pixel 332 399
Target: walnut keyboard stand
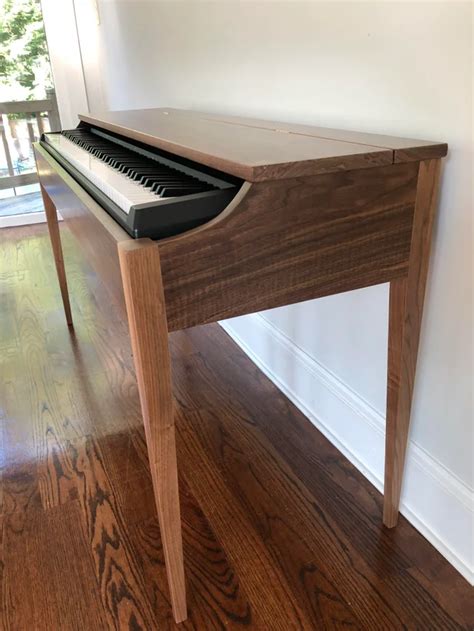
pixel 320 212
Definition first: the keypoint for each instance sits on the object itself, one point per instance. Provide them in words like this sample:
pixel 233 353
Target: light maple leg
pixel 405 316
pixel 53 228
pixel 145 303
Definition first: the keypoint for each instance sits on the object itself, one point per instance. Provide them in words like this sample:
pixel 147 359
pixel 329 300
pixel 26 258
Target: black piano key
pixel 154 181
pixel 128 170
pixel 155 186
pixel 153 174
pixel 149 180
pixel 167 190
pixel 139 164
pixel 160 179
pixel 141 174
pixel 129 165
pixel 179 192
pixel 110 159
pixel 116 162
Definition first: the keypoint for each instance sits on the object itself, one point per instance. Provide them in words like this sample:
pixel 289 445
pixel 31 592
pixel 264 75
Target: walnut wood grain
pixel 253 154
pixel 144 299
pixel 315 221
pixel 277 243
pixel 291 240
pixel 404 149
pixel 405 317
pixel 257 150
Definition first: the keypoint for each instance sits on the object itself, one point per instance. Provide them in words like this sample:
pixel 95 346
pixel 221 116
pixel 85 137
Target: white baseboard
pixel 22 220
pixel 434 500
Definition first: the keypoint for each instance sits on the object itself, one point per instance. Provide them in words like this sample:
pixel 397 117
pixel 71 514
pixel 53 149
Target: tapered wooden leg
pixel 53 227
pixel 145 302
pixel 405 316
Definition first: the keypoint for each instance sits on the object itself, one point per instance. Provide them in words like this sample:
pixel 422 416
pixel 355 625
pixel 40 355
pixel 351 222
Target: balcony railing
pixel 19 132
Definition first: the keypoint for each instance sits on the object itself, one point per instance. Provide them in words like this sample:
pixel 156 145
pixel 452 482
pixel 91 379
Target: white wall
pixel 387 67
pixel 65 58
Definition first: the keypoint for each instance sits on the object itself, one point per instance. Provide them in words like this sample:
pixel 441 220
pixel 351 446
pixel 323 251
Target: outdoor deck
pixel 21 205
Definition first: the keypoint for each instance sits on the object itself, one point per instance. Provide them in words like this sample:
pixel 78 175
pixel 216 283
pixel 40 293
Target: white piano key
pixel 118 187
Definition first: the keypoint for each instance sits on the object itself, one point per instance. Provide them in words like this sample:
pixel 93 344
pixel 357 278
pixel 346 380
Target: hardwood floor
pixel 280 531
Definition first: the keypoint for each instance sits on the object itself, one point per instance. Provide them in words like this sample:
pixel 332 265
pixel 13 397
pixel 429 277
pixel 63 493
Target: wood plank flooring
pixel 280 531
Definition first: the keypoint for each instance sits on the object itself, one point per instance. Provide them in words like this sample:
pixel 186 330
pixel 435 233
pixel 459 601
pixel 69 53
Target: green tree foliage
pixel 23 48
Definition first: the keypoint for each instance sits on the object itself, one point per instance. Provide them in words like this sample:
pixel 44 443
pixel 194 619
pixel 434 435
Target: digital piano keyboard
pixel 191 218
pixel 149 192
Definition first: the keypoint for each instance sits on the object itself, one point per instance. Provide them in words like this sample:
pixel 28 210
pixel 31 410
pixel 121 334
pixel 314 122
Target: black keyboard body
pixel 189 193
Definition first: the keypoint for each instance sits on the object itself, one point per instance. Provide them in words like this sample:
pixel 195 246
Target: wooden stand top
pixel 258 150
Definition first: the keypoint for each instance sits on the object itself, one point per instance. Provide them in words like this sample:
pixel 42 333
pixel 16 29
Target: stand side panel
pixel 292 240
